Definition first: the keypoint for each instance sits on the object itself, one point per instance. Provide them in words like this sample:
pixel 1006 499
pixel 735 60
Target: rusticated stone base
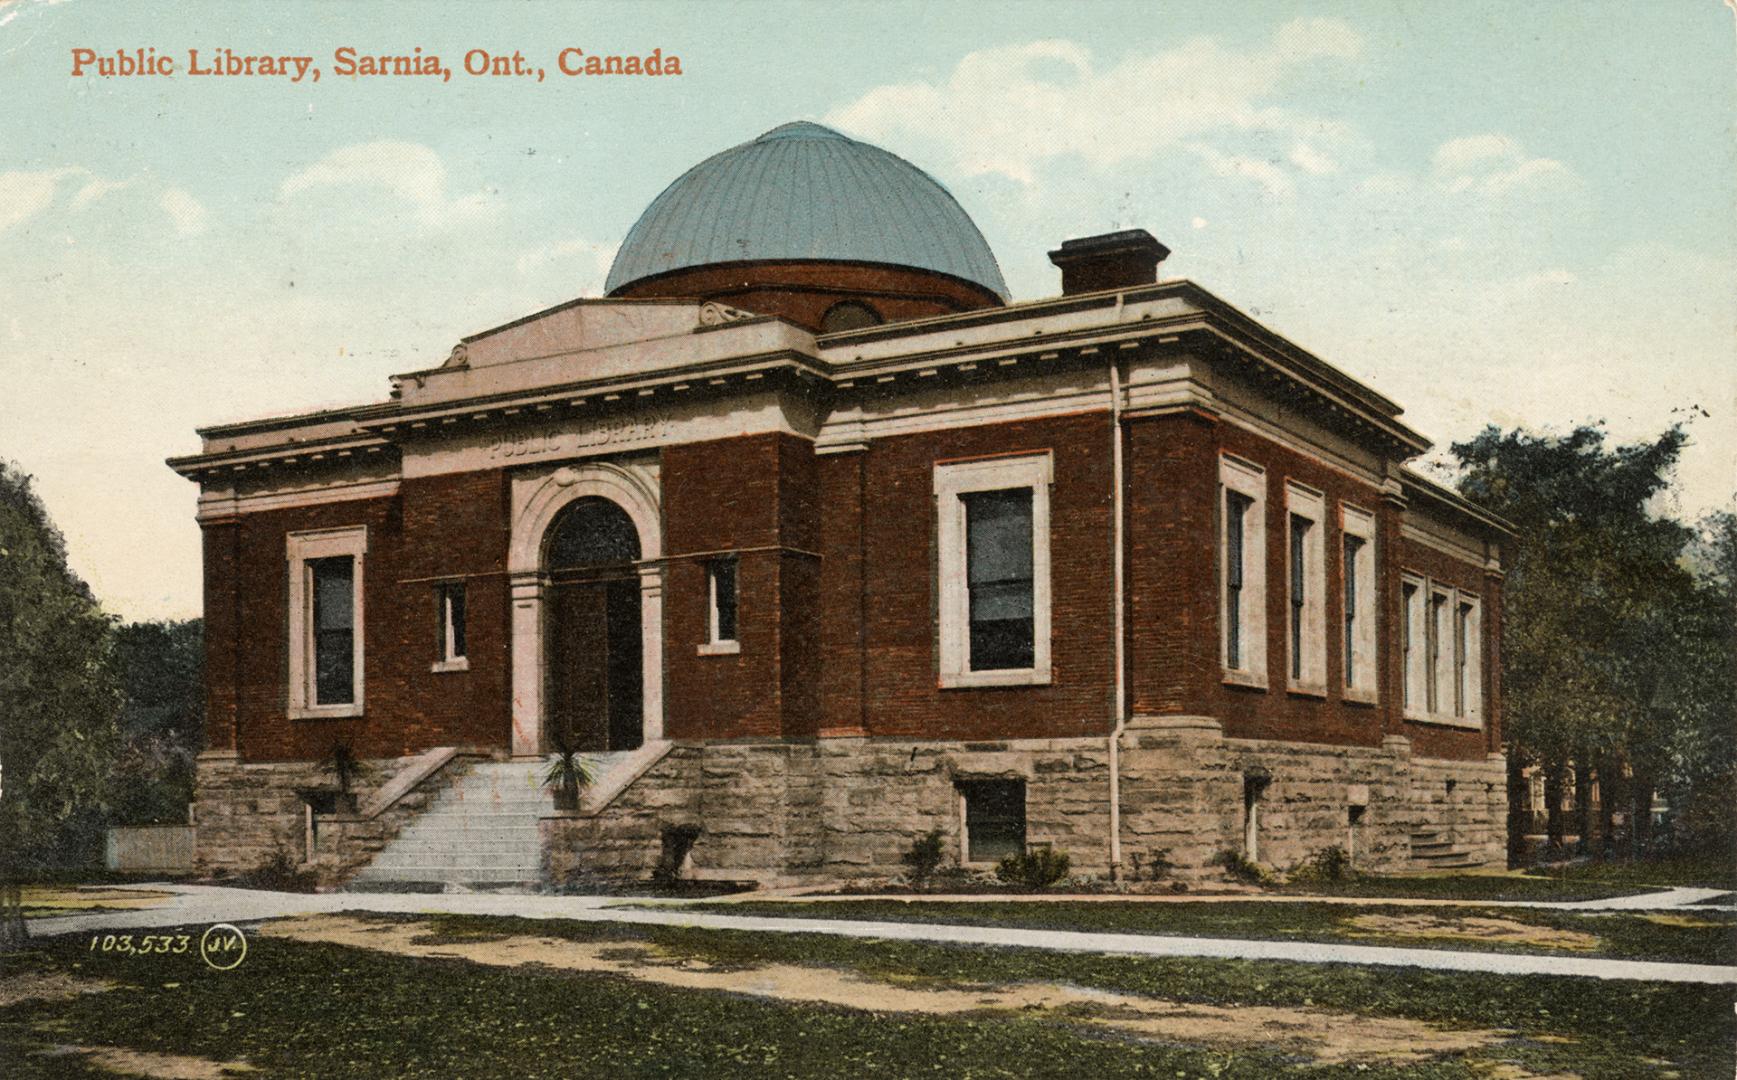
pixel 849 808
pixel 246 813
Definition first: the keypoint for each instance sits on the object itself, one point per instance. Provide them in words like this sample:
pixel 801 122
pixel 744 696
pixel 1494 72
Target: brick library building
pixel 814 542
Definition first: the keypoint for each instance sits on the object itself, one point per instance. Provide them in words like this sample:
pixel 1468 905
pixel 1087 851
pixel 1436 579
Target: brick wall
pixel 449 526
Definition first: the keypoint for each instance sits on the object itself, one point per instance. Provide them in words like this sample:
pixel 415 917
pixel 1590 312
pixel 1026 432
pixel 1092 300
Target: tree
pixel 162 721
pixel 1594 640
pixel 58 702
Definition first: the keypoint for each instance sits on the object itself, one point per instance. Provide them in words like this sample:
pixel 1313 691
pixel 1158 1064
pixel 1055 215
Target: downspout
pixel 1116 588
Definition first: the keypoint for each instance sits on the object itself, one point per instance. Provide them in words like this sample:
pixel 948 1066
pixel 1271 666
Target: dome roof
pixel 803 191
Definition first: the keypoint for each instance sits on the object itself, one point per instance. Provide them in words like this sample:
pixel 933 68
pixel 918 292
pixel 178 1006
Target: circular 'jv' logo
pixel 223 947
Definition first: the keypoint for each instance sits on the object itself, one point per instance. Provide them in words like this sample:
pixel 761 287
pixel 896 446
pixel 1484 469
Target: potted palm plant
pixel 345 768
pixel 569 774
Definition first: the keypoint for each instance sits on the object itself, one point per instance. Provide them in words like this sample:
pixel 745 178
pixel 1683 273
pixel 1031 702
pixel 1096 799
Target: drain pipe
pixel 1116 589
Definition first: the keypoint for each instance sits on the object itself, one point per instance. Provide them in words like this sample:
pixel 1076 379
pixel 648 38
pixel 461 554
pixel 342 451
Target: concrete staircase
pixel 1436 850
pixel 480 830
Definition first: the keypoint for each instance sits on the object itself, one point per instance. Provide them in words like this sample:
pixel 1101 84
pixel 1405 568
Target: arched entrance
pixel 593 629
pixel 558 565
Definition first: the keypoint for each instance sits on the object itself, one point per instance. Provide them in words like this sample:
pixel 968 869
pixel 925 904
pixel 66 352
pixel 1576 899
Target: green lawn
pixel 1470 887
pixel 298 1009
pixel 1700 937
pixel 1703 871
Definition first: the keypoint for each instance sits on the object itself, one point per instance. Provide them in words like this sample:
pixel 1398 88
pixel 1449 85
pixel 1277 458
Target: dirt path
pixel 1327 1037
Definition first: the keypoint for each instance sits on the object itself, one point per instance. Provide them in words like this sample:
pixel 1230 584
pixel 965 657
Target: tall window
pixel 1242 561
pixel 1307 574
pixel 325 621
pixel 334 581
pixel 1460 660
pixel 998 578
pixel 1236 509
pixel 993 533
pixel 1357 569
pixel 449 621
pixel 1438 640
pixel 1412 636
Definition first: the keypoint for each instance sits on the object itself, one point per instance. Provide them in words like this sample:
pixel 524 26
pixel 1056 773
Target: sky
pixel 1492 213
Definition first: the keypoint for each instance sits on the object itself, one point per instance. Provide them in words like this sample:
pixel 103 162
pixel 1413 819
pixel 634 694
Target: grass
pixel 1705 937
pixel 1706 871
pixel 1468 887
pixel 297 1009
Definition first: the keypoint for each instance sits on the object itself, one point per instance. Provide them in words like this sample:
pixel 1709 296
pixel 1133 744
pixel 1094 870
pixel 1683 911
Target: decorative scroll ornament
pixel 715 314
pixel 459 357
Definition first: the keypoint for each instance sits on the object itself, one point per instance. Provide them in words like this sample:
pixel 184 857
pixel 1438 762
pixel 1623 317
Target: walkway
pixel 193 904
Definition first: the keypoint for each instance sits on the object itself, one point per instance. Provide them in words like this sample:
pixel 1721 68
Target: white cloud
pixel 1267 174
pixel 25 194
pixel 1199 223
pixel 409 171
pixel 1312 161
pixel 1493 165
pixel 187 213
pixel 95 188
pixel 1009 109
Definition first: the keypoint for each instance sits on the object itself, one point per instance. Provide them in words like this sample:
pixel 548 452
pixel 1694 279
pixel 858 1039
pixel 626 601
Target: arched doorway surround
pixel 538 499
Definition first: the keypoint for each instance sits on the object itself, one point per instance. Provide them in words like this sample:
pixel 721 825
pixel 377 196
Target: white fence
pixel 154 849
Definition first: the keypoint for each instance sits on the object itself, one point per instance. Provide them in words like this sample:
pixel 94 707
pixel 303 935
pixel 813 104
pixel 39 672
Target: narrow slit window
pixel 1438 603
pixel 999 579
pixel 1299 590
pixel 1236 508
pixel 449 613
pixel 1408 642
pixel 721 587
pixel 1353 551
pixel 1462 648
pixel 334 623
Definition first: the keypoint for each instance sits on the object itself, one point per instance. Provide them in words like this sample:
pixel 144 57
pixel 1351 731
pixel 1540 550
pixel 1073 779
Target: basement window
pixel 449 627
pixel 994 819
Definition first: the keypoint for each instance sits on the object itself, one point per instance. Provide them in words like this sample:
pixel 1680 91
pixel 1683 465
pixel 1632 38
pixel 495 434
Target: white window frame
pixel 953 479
pixel 1250 481
pixel 716 645
pixel 1310 676
pixel 302 548
pixel 1471 709
pixel 1433 630
pixel 1415 667
pixel 449 659
pixel 1365 682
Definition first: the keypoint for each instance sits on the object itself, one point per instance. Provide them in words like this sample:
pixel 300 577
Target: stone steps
pixel 479 830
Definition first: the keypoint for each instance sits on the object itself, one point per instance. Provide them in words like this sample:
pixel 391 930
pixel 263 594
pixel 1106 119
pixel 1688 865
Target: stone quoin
pixel 815 541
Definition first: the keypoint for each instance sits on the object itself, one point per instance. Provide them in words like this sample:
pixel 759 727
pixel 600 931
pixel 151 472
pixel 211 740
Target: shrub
pixel 678 840
pixel 1326 864
pixel 1239 868
pixel 923 859
pixel 1157 866
pixel 1033 870
pixel 280 873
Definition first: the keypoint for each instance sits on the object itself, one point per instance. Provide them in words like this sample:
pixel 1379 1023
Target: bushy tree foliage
pixel 1616 653
pixel 160 666
pixel 59 701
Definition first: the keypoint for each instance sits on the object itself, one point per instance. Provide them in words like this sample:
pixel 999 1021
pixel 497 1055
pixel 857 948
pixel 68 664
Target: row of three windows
pixel 1244 560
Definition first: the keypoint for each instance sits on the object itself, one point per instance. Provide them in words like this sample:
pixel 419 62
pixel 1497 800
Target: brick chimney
pixel 1118 260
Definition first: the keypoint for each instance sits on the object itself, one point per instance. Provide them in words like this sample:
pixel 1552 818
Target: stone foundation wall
pixel 244 813
pixel 849 808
